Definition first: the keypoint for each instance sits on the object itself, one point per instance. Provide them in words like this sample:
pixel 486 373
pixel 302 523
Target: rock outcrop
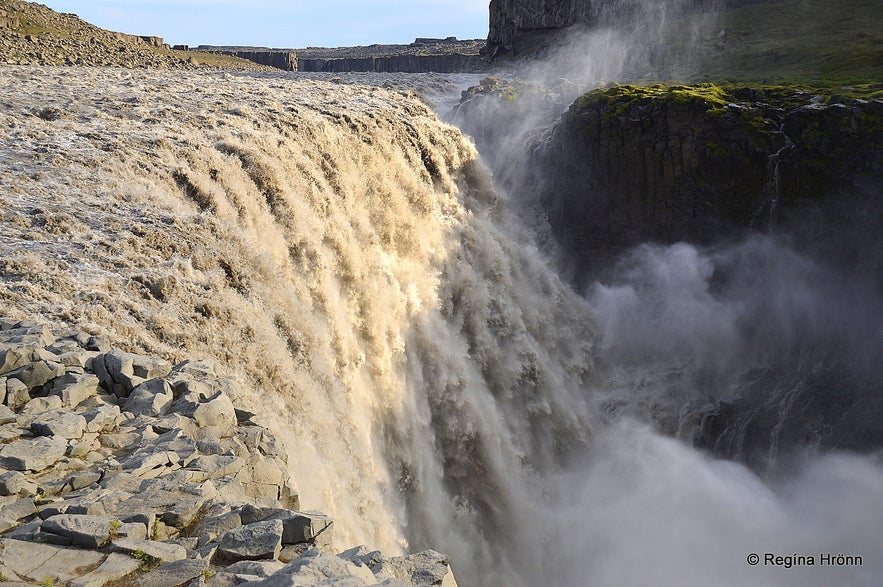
pixel 117 468
pixel 283 59
pixel 450 63
pixel 627 165
pixel 519 26
pixel 32 34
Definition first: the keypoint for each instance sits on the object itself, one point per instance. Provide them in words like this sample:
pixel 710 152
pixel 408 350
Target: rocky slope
pixel 32 34
pixel 118 468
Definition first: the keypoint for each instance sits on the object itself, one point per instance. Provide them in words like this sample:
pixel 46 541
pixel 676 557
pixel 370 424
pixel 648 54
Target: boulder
pixel 259 540
pixel 83 530
pixel 75 388
pixel 59 423
pixel 173 574
pixel 150 398
pixel 32 454
pixel 316 568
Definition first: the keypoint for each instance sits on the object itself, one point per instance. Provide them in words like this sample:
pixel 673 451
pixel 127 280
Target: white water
pixel 436 384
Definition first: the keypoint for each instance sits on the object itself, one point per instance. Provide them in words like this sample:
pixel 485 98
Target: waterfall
pixel 435 383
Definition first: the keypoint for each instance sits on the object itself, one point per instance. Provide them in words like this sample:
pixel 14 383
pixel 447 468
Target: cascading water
pixel 434 381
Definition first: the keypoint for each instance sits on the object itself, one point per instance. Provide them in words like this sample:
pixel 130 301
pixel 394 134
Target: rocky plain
pixel 122 469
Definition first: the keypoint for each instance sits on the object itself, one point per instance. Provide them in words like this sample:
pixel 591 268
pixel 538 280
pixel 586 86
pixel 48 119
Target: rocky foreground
pixel 122 469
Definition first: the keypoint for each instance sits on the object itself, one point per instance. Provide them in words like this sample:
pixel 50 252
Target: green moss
pixel 716 150
pixel 618 99
pixel 147 561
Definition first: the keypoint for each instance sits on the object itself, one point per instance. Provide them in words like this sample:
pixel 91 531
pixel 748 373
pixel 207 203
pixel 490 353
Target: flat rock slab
pixel 87 531
pixel 32 454
pixel 37 562
pixel 59 423
pixel 161 550
pixel 315 568
pixel 114 568
pixel 173 574
pixel 257 541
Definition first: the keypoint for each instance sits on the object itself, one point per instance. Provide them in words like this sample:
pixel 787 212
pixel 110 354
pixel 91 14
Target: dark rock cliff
pixel 280 59
pixel 627 165
pixel 519 26
pixel 395 63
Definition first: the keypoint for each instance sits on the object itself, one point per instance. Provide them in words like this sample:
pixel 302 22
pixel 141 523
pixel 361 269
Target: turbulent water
pixel 436 384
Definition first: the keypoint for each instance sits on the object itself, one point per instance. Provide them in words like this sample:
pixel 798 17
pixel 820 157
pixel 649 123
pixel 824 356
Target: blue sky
pixel 278 23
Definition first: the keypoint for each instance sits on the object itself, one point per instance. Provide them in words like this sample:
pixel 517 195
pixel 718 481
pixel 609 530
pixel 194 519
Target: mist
pixel 736 387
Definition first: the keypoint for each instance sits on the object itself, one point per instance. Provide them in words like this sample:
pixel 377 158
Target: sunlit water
pixel 435 382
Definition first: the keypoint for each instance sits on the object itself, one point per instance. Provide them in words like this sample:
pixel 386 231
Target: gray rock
pixel 26 532
pixel 159 550
pixel 260 540
pixel 315 568
pixel 38 562
pixel 122 372
pixel 211 527
pixel 217 410
pixel 32 454
pixel 115 567
pixel 102 418
pixel 423 568
pixel 151 398
pixel 80 480
pixel 16 394
pixel 305 527
pixel 16 483
pixel 173 574
pixel 15 511
pixel 38 405
pixel 6 415
pixel 151 464
pixel 59 423
pixel 83 530
pixel 37 374
pixel 75 388
pixel 260 569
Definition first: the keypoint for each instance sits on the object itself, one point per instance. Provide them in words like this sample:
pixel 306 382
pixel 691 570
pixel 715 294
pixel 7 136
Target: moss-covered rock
pixel 630 163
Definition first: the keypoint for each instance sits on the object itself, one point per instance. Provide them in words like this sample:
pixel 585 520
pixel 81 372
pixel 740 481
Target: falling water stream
pixel 436 383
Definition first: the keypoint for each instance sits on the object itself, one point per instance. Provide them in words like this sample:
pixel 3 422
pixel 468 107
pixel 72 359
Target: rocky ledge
pixel 631 164
pixel 122 469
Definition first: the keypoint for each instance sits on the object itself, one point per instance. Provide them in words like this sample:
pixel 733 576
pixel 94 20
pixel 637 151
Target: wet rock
pixel 423 568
